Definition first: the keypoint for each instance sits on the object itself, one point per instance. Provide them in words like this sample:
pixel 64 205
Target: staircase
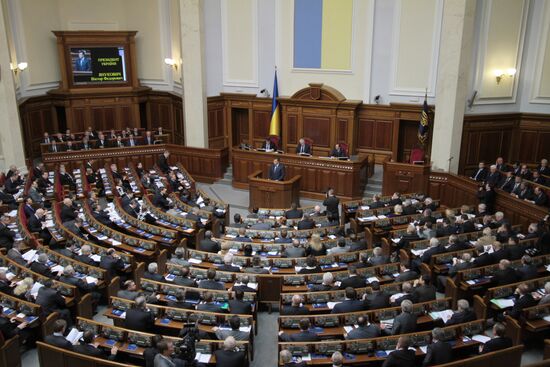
pixel 374 185
pixel 227 177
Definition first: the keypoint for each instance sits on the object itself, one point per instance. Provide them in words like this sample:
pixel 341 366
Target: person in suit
pixel 85 256
pixel 305 335
pixel 180 302
pixel 234 324
pixel 465 262
pixel 28 208
pixel 160 199
pixel 210 282
pixel 295 250
pixel 52 301
pixel 500 252
pixel 57 338
pixel 350 304
pixel 353 280
pixel 67 212
pixel 507 182
pixel 82 63
pixel 294 212
pixel 209 304
pixel 87 347
pixel 326 285
pixel 364 330
pixel 340 247
pixel 101 141
pixel 40 266
pixel 237 305
pixel 163 162
pixel 283 237
pixel 487 196
pixel 311 267
pixel 405 322
pixel 337 152
pixel 149 139
pixel 15 253
pixel 285 356
pixel 406 294
pixel 423 290
pixel 256 267
pixel 306 223
pixel 82 285
pixel 454 244
pixel 138 317
pixel 483 258
pixel 402 356
pixel 439 352
pixel 332 203
pixel 241 235
pixel 435 248
pixel 409 236
pixel 405 273
pixel 111 262
pixel 505 274
pixel 539 197
pixel 498 341
pixel 8 199
pixel 295 308
pixel 7 236
pixel 538 179
pixel 228 264
pixel 524 299
pixel 463 314
pixel 480 174
pixel 208 245
pixel 35 225
pixel 375 298
pixel 302 147
pixel 527 270
pixel 230 356
pixel 150 352
pixel 493 177
pixel 276 171
pixel 152 273
pixel 268 145
pixel 164 355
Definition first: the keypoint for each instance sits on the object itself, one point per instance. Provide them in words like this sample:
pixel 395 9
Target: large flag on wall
pixel 424 125
pixel 275 126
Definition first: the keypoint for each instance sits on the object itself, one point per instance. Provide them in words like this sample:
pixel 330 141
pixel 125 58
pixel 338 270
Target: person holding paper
pixel 268 145
pixel 52 301
pixel 402 356
pixel 89 348
pixel 84 286
pixel 498 342
pixel 235 332
pixel 364 330
pixel 524 299
pixel 462 315
pixel 58 337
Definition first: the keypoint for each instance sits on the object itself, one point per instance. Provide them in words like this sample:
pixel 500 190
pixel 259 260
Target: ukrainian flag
pixel 275 126
pixel 322 34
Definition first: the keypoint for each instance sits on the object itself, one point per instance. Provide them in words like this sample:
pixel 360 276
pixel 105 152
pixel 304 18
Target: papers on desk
pixel 57 269
pixel 21 315
pixel 95 258
pixel 297 269
pixel 30 255
pixel 203 357
pixel 91 280
pixel 444 315
pixel 503 302
pixel 547 267
pixel 372 279
pixel 348 329
pixel 546 318
pixel 245 329
pixel 10 276
pixel 381 216
pixel 35 288
pixel 481 338
pixel 252 285
pixel 195 261
pixel 364 207
pixel 418 252
pixel 230 236
pixel 387 323
pixel 74 336
pixel 115 242
pixel 396 240
pixel 12 213
pixel 424 349
pixel 332 304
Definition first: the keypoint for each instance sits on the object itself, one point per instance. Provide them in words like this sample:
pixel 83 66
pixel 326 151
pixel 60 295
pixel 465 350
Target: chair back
pixel 417 155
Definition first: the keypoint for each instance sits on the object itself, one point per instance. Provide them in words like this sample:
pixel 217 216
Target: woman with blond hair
pixel 315 246
pixel 23 289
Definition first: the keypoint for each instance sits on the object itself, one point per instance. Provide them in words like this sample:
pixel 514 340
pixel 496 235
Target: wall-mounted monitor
pixel 98 65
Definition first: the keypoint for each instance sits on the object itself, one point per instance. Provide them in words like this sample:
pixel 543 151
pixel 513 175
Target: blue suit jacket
pixel 277 173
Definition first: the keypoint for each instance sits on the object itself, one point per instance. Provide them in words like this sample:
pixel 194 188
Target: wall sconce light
pixel 171 62
pixel 19 67
pixel 500 73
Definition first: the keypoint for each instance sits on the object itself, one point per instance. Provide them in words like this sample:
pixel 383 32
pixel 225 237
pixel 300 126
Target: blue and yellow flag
pixel 424 126
pixel 275 126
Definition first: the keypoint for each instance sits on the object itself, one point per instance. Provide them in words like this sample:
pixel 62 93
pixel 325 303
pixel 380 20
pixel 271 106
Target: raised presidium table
pixel 266 193
pixel 348 178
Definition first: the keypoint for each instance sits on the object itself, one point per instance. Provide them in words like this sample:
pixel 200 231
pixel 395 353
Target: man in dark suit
pixel 493 177
pixel 276 171
pixel 52 301
pixel 152 273
pixel 527 270
pixel 402 356
pixel 208 245
pixel 160 200
pixel 305 335
pixel 507 183
pixel 480 174
pixel 405 322
pixel 524 299
pixel 15 253
pixel 539 197
pixel 40 266
pixel 229 356
pixel 138 318
pixel 210 282
pixel 438 352
pixel 228 264
pixel 268 145
pixel 67 212
pixel 87 347
pixel 58 337
pixel 483 258
pixel 364 330
pixel 82 63
pixel 376 298
pixel 406 274
pixel 163 162
pixel 423 289
pixel 306 223
pixel 331 203
pixel 406 294
pixel 209 304
pixel 455 244
pixel 350 304
pixel 354 280
pixel 111 262
pixel 505 274
pixel 7 236
pixel 435 248
pixel 102 142
pixel 294 212
pixel 302 147
pixel 82 285
pixel 498 342
pixel 500 252
pixel 463 314
pixel 238 306
pixel 337 152
pixel 295 307
pixel 408 237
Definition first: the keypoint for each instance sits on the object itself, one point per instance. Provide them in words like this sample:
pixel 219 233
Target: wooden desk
pixel 404 177
pixel 347 178
pixel 273 194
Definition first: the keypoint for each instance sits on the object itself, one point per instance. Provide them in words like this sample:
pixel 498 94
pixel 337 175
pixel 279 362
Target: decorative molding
pixel 16 22
pixel 544 33
pixel 436 37
pixel 481 53
pixel 227 81
pixel 75 25
pixel 368 50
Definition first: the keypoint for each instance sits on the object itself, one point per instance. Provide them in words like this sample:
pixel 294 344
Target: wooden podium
pixel 405 178
pixel 273 194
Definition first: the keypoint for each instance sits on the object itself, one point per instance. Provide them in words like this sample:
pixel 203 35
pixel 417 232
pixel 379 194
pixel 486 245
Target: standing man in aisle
pixel 277 171
pixel 331 203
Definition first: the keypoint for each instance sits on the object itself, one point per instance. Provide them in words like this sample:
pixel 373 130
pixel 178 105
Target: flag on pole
pixel 423 127
pixel 275 126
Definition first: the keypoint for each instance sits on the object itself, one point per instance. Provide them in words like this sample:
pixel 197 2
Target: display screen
pixel 98 65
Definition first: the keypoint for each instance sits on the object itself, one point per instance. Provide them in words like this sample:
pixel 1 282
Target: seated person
pixel 207 244
pixel 311 266
pixel 209 304
pixel 406 294
pixel 152 273
pixel 524 299
pixel 315 246
pixel 130 291
pixel 296 250
pixel 228 264
pixel 185 278
pixel 305 335
pixel 364 330
pixel 340 247
pixel 527 270
pixel 405 322
pixel 178 257
pixel 353 280
pixel 138 317
pixel 375 298
pixel 285 356
pixel 306 223
pixel 463 314
pixel 498 341
pixel 294 212
pixel 402 356
pixel 283 238
pixel 296 307
pixel 350 304
pixel 337 152
pixel 241 236
pixel 438 352
pixel 326 285
pixel 234 324
pixel 505 274
pixel 89 348
pixel 180 301
pixel 423 289
pixel 237 305
pixel 268 145
pixel 405 274
pixel 58 337
pixel 257 267
pixel 210 282
pixel 40 266
pixel 302 147
pixel 230 356
pixel 378 257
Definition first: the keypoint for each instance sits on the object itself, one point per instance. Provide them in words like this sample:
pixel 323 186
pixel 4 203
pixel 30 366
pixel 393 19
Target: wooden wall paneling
pixel 261 124
pixel 318 129
pixel 292 129
pixel 365 138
